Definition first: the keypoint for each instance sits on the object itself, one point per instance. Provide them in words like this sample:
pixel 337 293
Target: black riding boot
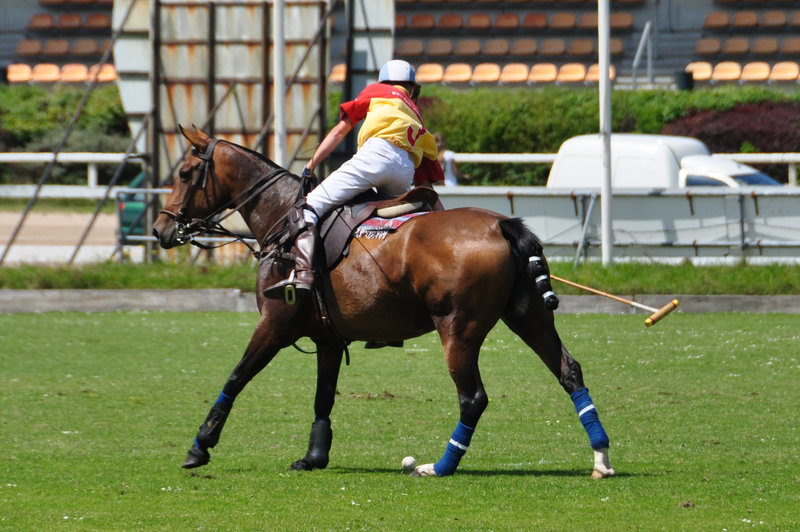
pixel 302 278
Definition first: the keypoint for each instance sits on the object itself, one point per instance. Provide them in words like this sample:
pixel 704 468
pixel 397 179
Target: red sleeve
pixel 357 109
pixel 428 171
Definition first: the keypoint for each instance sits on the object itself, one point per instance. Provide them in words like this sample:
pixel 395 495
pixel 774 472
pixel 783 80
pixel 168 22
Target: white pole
pixel 279 82
pixel 607 237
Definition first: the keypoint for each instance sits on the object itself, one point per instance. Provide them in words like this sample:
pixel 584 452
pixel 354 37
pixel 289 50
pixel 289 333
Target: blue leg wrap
pixel 456 448
pixel 587 413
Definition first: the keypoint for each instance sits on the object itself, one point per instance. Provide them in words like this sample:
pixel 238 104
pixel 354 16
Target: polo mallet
pixel 655 317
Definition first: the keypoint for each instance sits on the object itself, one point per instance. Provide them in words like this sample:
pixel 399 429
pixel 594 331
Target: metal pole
pixel 605 129
pixel 279 82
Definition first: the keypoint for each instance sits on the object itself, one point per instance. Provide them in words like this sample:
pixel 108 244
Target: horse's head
pixel 195 195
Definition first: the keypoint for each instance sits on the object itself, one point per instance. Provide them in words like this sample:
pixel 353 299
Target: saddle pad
pixel 378 228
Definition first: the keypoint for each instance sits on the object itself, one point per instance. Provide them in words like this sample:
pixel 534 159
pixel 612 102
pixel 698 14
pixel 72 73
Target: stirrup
pixel 285 290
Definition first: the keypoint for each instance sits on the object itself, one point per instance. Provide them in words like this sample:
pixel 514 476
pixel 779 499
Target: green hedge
pixel 35 118
pixel 526 120
pixel 476 119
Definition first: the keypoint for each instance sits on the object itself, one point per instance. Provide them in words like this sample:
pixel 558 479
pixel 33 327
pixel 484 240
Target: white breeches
pixel 378 163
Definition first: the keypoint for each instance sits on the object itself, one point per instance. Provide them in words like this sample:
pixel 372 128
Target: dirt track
pixel 58 229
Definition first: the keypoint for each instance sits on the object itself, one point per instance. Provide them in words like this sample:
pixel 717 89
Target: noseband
pixel 187 228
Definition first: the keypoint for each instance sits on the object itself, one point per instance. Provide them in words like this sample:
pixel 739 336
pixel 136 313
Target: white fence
pixel 710 223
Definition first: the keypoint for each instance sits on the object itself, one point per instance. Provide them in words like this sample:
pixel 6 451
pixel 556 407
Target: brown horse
pixel 457 272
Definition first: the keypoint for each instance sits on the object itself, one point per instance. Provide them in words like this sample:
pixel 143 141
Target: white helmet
pixel 397 70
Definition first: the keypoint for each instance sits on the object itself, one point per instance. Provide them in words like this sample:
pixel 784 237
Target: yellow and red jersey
pixel 389 114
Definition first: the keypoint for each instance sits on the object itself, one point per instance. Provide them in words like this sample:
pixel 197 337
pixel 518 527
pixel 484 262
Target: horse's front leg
pixel 329 360
pixel 260 351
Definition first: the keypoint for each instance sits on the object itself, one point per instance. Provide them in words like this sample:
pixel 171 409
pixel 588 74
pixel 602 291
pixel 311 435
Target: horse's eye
pixel 185 175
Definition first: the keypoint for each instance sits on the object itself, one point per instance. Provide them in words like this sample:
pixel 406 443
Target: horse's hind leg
pixel 539 332
pixel 329 360
pixel 260 351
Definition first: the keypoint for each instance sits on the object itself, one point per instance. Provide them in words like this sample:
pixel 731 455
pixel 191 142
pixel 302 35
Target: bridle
pixel 187 228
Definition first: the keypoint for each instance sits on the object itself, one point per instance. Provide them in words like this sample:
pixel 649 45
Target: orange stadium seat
pixel 68 22
pixel 400 21
pixel 41 22
pixel 409 47
pixel 790 46
pixel 105 74
pixel 736 46
pixel 700 70
pixel 85 46
pixel 430 73
pixel 439 47
pixel 707 46
pixel 507 21
pixel 552 47
pixel 764 46
pixel 588 21
pixel 494 47
pixel 479 22
pixel 755 71
pixel 450 21
pixel 784 71
pixel 593 73
pixel 422 21
pixel 615 46
pixel 726 71
pixel 74 73
pixel 563 21
pixel 620 21
pixel 457 73
pixel 338 73
pixel 534 21
pixel 543 73
pixel 581 47
pixel 571 73
pixel 98 22
pixel 56 47
pixel 467 47
pixel 486 73
pixel 524 46
pixel 744 19
pixel 514 73
pixel 773 19
pixel 46 73
pixel 794 20
pixel 717 20
pixel 29 47
pixel 19 73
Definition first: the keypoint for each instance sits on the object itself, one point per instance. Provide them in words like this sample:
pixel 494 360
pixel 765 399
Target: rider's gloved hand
pixel 307 172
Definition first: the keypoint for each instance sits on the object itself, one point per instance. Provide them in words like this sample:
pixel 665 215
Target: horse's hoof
pixel 196 457
pixel 425 470
pixel 302 465
pixel 602 465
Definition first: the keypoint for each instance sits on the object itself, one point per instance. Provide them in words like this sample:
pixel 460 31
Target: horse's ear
pixel 198 139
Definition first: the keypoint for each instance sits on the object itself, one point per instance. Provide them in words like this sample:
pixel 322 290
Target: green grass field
pixel 99 410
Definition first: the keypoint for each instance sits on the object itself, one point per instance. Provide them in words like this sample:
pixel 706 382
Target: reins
pixel 212 224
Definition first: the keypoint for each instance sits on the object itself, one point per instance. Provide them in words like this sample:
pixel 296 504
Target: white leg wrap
pixel 602 465
pixel 425 470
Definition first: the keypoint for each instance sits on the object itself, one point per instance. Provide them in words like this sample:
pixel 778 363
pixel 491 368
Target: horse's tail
pixel 528 253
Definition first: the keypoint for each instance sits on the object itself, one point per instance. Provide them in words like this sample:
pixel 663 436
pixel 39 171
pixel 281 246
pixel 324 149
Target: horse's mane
pixel 260 157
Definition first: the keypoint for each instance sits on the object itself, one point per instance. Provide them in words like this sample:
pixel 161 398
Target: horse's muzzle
pixel 166 231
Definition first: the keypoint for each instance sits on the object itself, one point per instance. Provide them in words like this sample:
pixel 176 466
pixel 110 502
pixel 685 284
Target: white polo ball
pixel 409 463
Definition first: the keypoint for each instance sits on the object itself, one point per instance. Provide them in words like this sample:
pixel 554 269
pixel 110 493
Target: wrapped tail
pixel 527 250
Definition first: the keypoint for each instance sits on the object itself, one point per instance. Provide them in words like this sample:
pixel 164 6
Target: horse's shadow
pixel 578 473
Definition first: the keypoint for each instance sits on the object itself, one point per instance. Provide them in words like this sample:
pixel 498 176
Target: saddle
pixel 337 229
